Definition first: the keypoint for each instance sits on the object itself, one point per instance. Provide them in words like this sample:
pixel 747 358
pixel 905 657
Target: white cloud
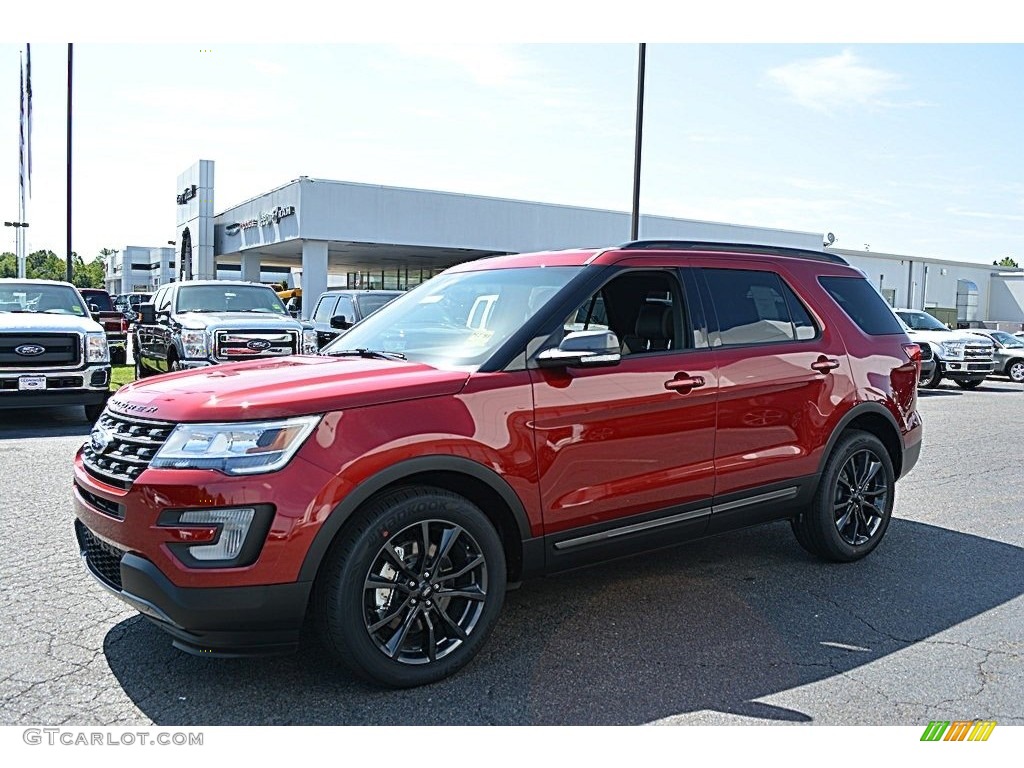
pixel 835 82
pixel 488 65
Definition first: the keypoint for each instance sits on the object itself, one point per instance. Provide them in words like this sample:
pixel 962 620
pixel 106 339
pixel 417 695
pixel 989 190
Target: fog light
pixel 234 525
pixel 99 378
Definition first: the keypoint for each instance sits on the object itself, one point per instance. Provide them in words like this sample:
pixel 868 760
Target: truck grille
pixel 132 445
pixel 103 559
pixel 926 352
pixel 61 350
pixel 977 352
pixel 249 345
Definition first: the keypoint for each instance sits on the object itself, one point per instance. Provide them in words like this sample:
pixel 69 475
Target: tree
pixel 47 265
pixel 1006 261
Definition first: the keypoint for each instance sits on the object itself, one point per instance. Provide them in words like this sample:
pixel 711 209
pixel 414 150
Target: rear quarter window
pixel 862 304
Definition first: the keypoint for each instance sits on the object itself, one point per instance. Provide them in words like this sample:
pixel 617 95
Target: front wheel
pixel 933 380
pixel 852 506
pixel 969 383
pixel 410 592
pixel 1015 370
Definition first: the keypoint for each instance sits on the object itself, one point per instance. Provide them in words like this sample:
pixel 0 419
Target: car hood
pixel 28 322
pixel 286 386
pixel 938 337
pixel 237 320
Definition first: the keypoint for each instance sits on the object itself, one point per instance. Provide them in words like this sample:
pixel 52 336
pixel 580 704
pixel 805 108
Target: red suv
pixel 511 417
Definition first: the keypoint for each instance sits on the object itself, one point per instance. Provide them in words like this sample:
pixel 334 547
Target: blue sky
pixel 910 148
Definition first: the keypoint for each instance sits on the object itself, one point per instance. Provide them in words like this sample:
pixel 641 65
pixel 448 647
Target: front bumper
pixel 83 386
pixel 217 621
pixel 967 369
pixel 240 610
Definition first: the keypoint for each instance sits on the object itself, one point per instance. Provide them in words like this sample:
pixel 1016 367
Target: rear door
pixel 783 369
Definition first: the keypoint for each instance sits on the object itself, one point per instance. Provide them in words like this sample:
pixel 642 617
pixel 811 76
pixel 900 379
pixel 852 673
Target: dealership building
pixel 312 233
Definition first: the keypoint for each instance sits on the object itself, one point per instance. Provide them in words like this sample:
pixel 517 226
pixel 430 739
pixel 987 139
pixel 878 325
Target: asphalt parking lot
pixel 744 628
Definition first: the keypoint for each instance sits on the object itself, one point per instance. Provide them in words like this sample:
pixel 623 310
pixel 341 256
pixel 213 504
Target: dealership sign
pixel 187 195
pixel 266 218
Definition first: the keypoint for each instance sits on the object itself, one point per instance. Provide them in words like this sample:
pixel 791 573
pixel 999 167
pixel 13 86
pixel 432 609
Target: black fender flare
pixel 861 409
pixel 394 474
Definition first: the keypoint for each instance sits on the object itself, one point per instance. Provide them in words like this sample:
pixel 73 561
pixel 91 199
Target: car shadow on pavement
pixel 710 626
pixel 62 421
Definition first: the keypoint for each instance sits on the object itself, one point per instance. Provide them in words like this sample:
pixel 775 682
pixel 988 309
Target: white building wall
pixel 1007 298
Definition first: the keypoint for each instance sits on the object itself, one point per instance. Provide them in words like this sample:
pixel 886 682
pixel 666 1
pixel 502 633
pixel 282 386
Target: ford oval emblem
pixel 100 439
pixel 259 345
pixel 30 350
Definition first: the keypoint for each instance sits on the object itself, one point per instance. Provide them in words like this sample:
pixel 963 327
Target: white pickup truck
pixel 963 357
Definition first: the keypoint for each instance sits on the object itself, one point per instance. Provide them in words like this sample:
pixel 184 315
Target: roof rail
pixel 700 245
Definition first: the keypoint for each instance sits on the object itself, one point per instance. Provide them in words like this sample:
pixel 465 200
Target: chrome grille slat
pixel 134 443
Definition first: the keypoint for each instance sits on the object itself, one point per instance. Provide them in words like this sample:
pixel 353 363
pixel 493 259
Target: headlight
pixel 309 343
pixel 194 344
pixel 96 350
pixel 245 448
pixel 953 348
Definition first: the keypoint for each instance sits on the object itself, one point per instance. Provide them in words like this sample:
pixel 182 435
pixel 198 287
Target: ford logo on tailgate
pixel 30 350
pixel 259 345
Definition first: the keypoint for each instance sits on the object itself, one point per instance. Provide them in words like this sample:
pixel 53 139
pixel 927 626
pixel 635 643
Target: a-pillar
pixel 251 267
pixel 314 274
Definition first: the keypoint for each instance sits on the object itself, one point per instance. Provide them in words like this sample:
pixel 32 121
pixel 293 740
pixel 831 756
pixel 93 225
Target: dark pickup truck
pixel 204 322
pixel 113 321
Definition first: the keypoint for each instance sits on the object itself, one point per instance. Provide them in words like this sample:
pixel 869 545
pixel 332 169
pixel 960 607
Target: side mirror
pixel 147 314
pixel 583 349
pixel 339 321
pixel 94 308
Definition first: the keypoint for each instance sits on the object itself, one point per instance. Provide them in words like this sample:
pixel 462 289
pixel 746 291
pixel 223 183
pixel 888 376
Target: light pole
pixel 634 230
pixel 19 257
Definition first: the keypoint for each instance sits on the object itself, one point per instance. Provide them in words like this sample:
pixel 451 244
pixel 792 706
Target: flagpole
pixel 69 268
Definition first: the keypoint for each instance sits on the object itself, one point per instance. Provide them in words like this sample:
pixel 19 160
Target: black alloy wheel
pixel 411 587
pixel 852 506
pixel 861 498
pixel 425 592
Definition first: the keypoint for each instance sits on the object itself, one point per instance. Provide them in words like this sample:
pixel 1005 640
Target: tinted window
pixel 370 303
pixel 100 298
pixel 644 309
pixel 756 308
pixel 862 304
pixel 346 308
pixel 325 309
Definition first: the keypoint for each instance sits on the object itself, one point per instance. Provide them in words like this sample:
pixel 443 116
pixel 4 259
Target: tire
pixel 969 383
pixel 141 371
pixel 429 636
pixel 852 505
pixel 93 412
pixel 933 381
pixel 1015 370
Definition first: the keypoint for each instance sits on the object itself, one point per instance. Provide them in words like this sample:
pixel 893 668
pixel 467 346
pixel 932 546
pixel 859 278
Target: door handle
pixel 824 365
pixel 683 383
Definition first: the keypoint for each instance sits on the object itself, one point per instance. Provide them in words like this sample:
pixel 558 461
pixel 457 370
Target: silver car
pixel 1009 353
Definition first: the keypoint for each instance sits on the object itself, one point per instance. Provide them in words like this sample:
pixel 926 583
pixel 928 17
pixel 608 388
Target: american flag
pixel 21 139
pixel 28 114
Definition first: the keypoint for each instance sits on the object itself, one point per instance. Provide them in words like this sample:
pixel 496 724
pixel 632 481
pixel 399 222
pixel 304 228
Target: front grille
pixel 59 350
pixel 926 352
pixel 132 445
pixel 245 345
pixel 977 352
pixel 103 559
pixel 106 506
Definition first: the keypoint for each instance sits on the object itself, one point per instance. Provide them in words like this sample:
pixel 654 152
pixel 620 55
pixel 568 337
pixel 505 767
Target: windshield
pixel 229 298
pixel 100 298
pixel 1008 339
pixel 921 321
pixel 49 299
pixel 370 303
pixel 457 319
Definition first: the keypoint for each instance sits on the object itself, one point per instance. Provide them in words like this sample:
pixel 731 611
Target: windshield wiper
pixel 371 353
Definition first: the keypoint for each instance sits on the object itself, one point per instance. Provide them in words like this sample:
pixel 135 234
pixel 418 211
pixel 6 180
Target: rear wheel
pixel 411 589
pixel 852 506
